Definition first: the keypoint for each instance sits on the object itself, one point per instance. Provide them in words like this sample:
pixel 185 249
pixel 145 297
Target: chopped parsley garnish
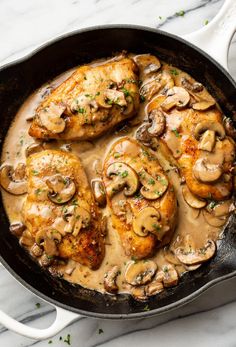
pixel 125 91
pixel 180 13
pixel 100 331
pixel 117 155
pixel 67 339
pixel 124 174
pixel 37 305
pixel 38 191
pixel 165 269
pixel 146 308
pixel 35 172
pixel 142 98
pixel 174 72
pixel 49 342
pixel 156 227
pixel 81 110
pixel 212 204
pixel 206 22
pixel 151 181
pixel 175 131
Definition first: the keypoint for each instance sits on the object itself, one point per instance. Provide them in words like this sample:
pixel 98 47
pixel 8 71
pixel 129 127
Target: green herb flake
pixel 125 91
pixel 67 339
pixel 160 17
pixel 156 227
pixel 124 174
pixel 212 204
pixel 146 308
pixel 180 13
pixel 49 342
pixel 100 331
pixel 81 110
pixel 165 269
pixel 37 305
pixel 174 72
pixel 206 22
pixel 34 172
pixel 175 131
pixel 38 191
pixel 117 155
pixel 142 98
pixel 151 181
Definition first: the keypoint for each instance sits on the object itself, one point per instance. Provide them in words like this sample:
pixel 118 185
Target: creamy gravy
pixel 190 221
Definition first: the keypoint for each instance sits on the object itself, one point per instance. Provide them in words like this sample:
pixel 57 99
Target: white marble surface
pixel 208 321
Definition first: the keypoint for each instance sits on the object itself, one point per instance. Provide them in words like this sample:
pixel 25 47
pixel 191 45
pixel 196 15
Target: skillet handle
pixel 215 37
pixel 63 318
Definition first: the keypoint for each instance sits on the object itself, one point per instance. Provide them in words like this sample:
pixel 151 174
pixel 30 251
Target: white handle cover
pixel 215 37
pixel 63 319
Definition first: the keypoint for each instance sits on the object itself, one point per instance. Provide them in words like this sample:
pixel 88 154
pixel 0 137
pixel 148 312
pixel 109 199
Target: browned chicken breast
pixel 185 118
pixel 141 199
pixel 60 211
pixel 91 101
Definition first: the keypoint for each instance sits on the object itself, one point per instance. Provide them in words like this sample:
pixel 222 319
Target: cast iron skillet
pixel 19 80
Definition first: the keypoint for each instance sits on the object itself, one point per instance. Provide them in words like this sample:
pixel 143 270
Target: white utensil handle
pixel 216 36
pixel 63 319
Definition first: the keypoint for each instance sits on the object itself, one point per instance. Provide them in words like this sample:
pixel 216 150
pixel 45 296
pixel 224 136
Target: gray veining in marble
pixel 208 321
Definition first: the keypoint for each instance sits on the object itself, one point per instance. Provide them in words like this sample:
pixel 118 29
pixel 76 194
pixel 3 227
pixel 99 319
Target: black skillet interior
pixel 19 80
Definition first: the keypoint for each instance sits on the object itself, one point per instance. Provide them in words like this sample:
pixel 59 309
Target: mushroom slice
pixel 203 105
pixel 143 135
pixel 129 106
pixel 214 221
pixel 176 97
pixel 170 257
pixel 154 288
pixel 140 272
pixel 33 148
pixel 150 87
pixel 170 277
pixel 206 172
pixel 49 240
pixel 110 280
pixel 207 141
pixel 50 118
pixel 17 228
pixel 191 199
pixel 139 293
pixel 158 123
pixel 147 63
pixel 123 177
pixel 195 87
pixel 82 220
pixel 13 181
pixel 147 220
pixel 189 256
pixel 209 125
pixel 26 239
pixel 219 209
pixel 153 188
pixel 99 192
pixel 61 189
pixel 192 267
pixel 36 250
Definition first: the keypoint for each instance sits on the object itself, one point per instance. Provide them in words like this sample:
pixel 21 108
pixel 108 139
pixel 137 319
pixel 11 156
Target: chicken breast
pixel 91 101
pixel 60 211
pixel 186 119
pixel 142 200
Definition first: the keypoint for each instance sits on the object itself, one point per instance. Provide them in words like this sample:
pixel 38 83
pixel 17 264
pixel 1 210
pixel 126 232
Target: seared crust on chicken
pixel 60 202
pixel 91 101
pixel 131 213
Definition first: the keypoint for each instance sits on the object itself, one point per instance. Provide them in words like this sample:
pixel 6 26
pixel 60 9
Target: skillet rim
pixel 116 316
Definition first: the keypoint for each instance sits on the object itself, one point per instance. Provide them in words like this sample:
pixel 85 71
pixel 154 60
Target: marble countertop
pixel 210 319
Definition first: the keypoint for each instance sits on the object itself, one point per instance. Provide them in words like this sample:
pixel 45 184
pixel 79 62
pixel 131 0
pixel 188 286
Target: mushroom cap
pixel 99 192
pixel 189 256
pixel 12 181
pixel 140 272
pixel 110 280
pixel 209 125
pixel 158 122
pixel 147 221
pixel 61 189
pixel 176 96
pixel 203 105
pixel 214 221
pixel 205 171
pixel 191 199
pixel 50 118
pixel 122 177
pixel 152 188
pixel 207 141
